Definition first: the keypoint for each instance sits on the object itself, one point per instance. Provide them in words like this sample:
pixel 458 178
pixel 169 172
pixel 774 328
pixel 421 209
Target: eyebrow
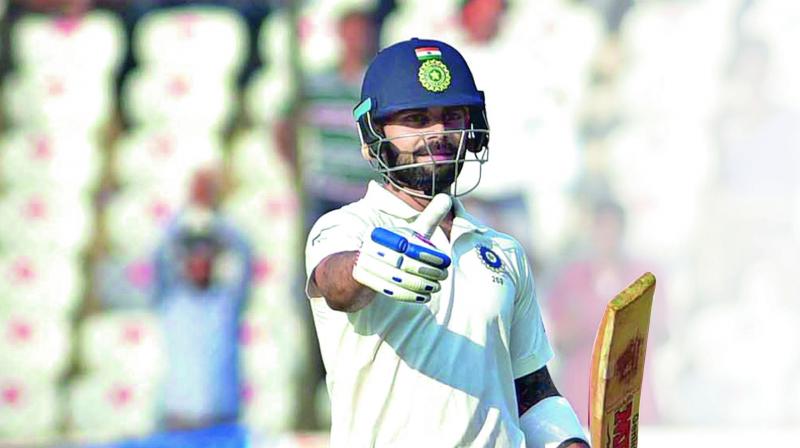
pixel 423 110
pixel 411 111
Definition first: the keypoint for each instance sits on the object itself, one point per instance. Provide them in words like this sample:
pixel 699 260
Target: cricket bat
pixel 618 365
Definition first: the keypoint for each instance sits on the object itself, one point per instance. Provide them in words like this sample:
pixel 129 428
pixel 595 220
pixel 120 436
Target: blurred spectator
pixel 612 10
pixel 749 123
pixel 577 300
pixel 335 173
pixel 747 211
pixel 203 270
pixel 533 151
pixel 480 19
pixel 503 206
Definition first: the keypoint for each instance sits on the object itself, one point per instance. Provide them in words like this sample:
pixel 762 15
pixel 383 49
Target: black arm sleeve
pixel 533 388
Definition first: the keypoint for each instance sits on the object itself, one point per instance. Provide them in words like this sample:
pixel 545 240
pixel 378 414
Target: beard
pixel 421 178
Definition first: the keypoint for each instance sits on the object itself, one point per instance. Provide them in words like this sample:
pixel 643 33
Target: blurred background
pixel 160 162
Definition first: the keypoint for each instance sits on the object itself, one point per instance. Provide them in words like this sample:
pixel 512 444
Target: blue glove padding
pixel 425 252
pixel 402 263
pixel 396 274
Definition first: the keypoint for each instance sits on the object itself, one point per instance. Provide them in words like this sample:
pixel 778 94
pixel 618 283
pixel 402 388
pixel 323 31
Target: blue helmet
pixel 418 74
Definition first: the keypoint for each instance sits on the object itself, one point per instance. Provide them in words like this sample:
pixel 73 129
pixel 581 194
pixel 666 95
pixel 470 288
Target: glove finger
pixel 390 273
pixel 387 288
pixel 421 269
pixel 405 263
pixel 427 254
pixel 383 253
pixel 415 246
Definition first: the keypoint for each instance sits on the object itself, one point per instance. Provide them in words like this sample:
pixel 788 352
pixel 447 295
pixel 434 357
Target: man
pixel 430 332
pixel 334 174
pixel 577 299
pixel 203 271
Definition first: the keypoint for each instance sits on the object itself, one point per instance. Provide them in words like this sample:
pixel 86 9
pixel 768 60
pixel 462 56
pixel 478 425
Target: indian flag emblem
pixel 425 53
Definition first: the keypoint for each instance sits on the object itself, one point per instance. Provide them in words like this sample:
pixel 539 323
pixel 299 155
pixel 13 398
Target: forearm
pixel 552 423
pixel 545 416
pixel 333 278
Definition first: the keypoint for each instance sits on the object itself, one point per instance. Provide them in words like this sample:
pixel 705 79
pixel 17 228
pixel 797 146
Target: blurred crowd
pixel 161 161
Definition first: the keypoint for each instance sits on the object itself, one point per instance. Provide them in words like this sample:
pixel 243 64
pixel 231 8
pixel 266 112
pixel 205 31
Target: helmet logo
pixel 434 75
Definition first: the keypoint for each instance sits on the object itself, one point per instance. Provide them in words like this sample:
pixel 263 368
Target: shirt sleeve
pixel 530 349
pixel 337 231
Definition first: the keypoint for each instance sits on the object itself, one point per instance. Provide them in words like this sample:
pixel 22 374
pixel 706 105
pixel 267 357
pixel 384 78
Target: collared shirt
pixel 438 374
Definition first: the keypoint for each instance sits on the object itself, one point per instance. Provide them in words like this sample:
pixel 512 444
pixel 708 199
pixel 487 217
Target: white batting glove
pixel 402 263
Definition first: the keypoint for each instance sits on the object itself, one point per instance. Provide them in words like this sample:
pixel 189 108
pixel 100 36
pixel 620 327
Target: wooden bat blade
pixel 618 365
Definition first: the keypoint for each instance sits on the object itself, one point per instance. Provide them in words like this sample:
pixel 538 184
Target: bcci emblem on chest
pixel 489 259
pixel 492 262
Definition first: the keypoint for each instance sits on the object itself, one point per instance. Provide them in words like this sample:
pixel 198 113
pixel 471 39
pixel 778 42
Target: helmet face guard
pixel 459 174
pixel 420 74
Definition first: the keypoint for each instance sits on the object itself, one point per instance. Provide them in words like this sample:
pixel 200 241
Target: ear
pixel 365 153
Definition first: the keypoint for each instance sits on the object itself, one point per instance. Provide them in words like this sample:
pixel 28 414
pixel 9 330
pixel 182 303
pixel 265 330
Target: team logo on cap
pixel 489 258
pixel 433 73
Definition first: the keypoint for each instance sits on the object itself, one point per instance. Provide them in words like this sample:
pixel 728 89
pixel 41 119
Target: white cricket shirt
pixel 439 374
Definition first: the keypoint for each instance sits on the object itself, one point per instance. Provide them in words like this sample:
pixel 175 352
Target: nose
pixel 435 128
pixel 436 139
pixel 437 125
